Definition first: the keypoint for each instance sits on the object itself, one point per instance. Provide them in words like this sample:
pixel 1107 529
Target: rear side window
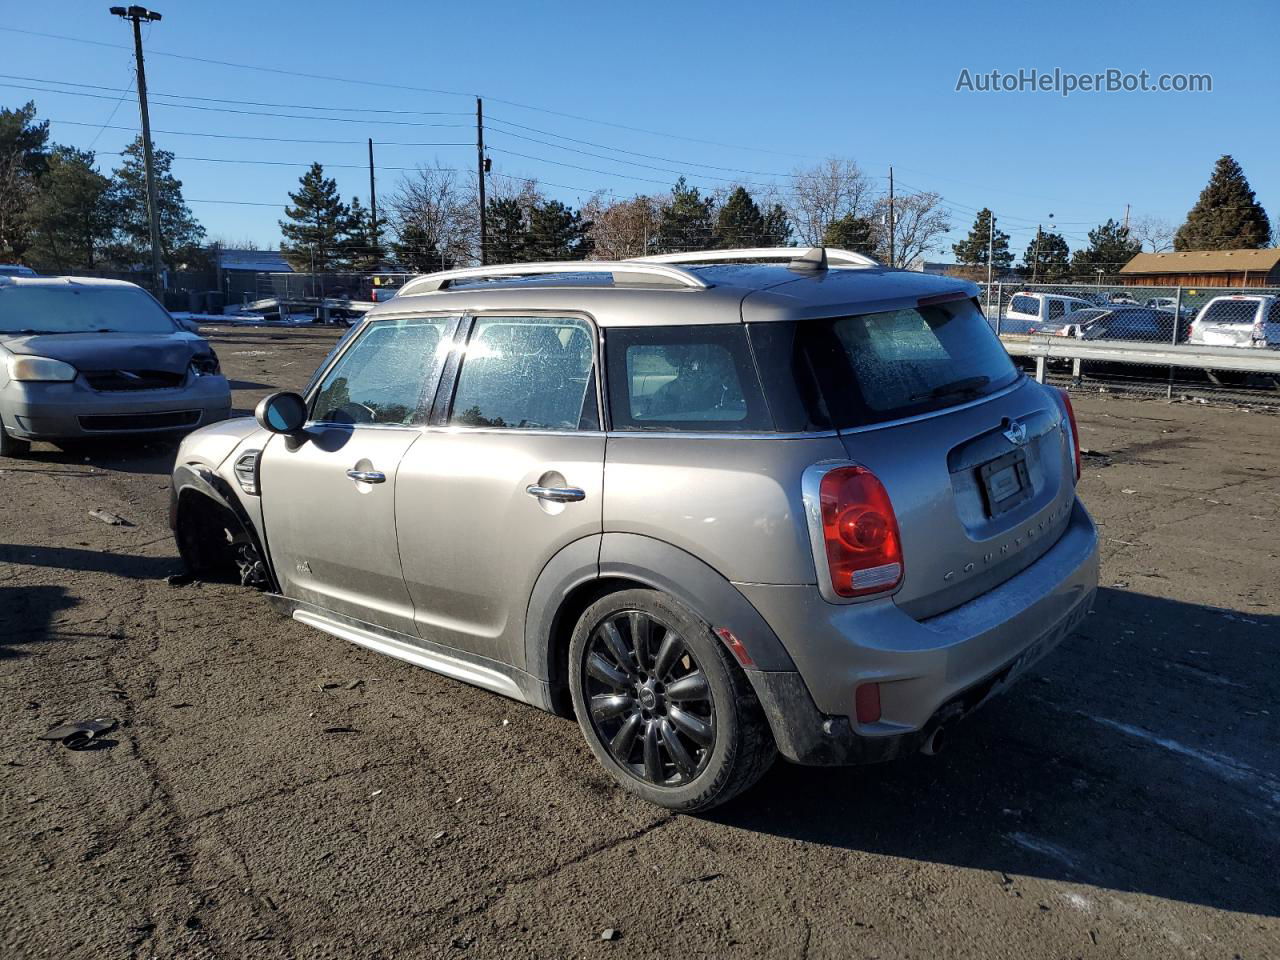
pixel 696 378
pixel 383 377
pixel 527 373
pixel 875 367
pixel 1273 315
pixel 1025 305
pixel 1057 309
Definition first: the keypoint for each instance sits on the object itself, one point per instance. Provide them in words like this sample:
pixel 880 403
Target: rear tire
pixel 11 446
pixel 663 705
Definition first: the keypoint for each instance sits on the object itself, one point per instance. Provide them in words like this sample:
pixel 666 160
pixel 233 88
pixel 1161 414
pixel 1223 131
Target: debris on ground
pixel 609 934
pixel 179 579
pixel 340 730
pixel 110 518
pixel 80 735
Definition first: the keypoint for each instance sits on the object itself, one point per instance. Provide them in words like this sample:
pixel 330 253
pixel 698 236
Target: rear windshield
pixel 57 309
pixel 1230 311
pixel 872 367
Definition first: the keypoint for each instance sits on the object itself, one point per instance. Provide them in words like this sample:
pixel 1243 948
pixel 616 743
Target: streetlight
pixel 136 15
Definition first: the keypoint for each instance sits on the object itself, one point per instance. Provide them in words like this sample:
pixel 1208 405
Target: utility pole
pixel 480 165
pixel 1035 257
pixel 891 224
pixel 1126 218
pixel 373 205
pixel 136 15
pixel 991 244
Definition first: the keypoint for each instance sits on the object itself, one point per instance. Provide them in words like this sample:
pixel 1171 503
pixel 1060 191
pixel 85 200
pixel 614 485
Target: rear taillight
pixel 1075 433
pixel 859 532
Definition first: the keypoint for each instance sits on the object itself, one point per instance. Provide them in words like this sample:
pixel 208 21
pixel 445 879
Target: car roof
pixel 65 282
pixel 732 292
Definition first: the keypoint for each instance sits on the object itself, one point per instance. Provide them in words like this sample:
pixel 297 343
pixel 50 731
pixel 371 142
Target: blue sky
pixel 751 86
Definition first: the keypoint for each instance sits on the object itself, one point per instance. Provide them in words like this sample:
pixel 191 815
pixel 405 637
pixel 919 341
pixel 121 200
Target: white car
pixel 1040 312
pixel 1239 320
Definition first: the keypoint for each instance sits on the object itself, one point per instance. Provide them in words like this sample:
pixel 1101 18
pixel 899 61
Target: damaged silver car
pixel 82 358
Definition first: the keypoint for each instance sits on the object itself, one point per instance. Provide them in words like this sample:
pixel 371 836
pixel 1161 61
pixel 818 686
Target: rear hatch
pixel 976 458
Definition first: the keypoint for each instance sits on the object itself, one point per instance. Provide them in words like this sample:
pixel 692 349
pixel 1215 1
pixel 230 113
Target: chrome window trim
pixel 1019 381
pixel 711 435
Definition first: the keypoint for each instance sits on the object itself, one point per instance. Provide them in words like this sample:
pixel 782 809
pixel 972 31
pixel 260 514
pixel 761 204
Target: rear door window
pixel 1025 305
pixel 1057 309
pixel 697 378
pixel 383 378
pixel 527 373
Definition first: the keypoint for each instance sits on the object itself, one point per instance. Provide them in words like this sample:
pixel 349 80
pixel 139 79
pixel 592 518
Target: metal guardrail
pixel 1193 356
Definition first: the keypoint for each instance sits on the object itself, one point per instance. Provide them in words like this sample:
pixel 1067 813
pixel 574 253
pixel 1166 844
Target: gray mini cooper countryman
pixel 718 506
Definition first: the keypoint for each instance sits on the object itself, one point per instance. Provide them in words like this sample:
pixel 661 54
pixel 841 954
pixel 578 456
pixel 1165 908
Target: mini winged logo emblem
pixel 1015 432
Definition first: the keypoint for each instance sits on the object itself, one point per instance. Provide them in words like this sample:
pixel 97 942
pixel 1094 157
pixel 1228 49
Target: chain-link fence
pixel 1225 341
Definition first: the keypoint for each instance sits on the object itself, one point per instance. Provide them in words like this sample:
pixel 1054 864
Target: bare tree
pixel 622 228
pixel 919 219
pixel 820 195
pixel 435 219
pixel 1152 232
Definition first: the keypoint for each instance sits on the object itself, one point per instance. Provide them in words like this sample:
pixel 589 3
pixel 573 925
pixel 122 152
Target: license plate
pixel 1005 482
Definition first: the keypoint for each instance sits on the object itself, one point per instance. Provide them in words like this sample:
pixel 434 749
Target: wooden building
pixel 1204 268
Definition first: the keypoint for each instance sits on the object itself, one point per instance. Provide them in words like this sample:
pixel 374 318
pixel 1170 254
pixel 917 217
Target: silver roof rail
pixel 628 273
pixel 804 257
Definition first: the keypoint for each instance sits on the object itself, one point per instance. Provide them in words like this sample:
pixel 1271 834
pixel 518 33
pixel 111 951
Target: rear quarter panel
pixel 735 503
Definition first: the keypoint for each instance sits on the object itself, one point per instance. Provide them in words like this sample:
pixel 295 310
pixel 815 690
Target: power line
pixel 398 86
pixel 240 136
pixel 252 113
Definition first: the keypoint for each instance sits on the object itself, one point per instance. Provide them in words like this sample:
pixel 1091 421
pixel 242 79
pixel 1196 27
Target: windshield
pixel 874 367
pixel 68 309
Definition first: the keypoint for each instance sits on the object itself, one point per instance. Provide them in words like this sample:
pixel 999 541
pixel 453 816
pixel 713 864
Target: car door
pixel 511 471
pixel 328 497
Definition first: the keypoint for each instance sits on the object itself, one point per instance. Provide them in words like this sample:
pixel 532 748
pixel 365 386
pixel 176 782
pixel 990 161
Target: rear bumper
pixel 64 411
pixel 930 672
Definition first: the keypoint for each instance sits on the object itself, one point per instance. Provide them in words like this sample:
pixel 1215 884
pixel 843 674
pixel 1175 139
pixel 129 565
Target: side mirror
pixel 190 326
pixel 281 413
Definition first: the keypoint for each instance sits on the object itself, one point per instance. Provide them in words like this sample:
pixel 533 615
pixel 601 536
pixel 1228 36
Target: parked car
pixel 717 510
pixel 1040 312
pixel 1186 311
pixel 1239 320
pixel 16 270
pixel 92 358
pixel 1122 322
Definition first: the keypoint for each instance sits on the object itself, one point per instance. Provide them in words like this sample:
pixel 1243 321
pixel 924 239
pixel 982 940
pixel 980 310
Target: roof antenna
pixel 812 260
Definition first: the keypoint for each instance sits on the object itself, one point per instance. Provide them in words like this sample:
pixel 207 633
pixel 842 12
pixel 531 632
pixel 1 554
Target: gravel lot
pixel 1122 801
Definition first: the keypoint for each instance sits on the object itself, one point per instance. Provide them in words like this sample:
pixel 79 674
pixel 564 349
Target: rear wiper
pixel 964 385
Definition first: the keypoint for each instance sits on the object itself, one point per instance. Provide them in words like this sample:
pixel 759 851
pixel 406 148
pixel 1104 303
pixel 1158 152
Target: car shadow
pixel 1141 756
pixel 153 455
pixel 26 617
pixel 89 561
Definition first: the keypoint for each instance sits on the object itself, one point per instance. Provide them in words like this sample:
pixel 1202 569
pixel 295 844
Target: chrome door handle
pixel 367 476
pixel 556 494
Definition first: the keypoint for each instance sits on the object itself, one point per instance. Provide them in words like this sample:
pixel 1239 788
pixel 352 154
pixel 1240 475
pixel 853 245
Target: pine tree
pixel 687 221
pixel 72 218
pixel 1049 260
pixel 853 233
pixel 417 249
pixel 318 221
pixel 1227 216
pixel 1110 248
pixel 180 233
pixel 556 232
pixel 23 158
pixel 740 222
pixel 362 252
pixel 508 231
pixel 981 243
pixel 777 227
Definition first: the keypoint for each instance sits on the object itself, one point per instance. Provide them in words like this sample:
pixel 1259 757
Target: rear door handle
pixel 556 494
pixel 367 476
